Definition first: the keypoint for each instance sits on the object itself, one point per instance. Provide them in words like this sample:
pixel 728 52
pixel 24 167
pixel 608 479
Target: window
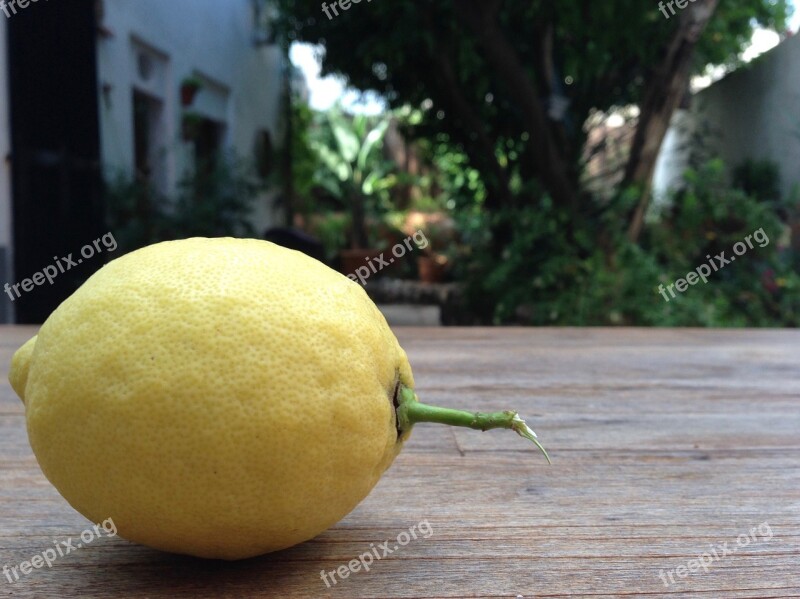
pixel 208 145
pixel 150 115
pixel 148 133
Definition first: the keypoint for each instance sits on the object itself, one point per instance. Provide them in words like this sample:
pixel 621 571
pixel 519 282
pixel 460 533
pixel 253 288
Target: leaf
pixel 374 137
pixel 346 139
pixel 333 161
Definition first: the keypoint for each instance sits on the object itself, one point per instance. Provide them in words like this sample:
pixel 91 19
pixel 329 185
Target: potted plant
pixel 432 265
pixel 189 88
pixel 331 229
pixel 353 171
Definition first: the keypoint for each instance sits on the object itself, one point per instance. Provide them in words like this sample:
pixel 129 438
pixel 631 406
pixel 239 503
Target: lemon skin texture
pixel 221 398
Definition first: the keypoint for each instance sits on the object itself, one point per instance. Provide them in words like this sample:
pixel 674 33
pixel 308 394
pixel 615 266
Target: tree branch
pixel 666 88
pixel 450 88
pixel 480 17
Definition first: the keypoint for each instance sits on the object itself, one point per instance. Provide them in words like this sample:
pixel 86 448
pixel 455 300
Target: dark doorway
pixel 148 142
pixel 207 145
pixel 55 153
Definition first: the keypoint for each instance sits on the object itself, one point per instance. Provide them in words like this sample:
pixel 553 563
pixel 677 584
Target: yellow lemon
pixel 220 397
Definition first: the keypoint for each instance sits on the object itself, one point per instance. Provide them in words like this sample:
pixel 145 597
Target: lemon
pixel 221 398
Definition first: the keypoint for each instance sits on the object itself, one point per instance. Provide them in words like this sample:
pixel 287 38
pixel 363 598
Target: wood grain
pixel 666 444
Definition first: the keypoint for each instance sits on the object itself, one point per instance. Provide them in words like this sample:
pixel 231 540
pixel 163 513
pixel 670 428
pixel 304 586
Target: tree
pixel 351 166
pixel 526 75
pixel 663 93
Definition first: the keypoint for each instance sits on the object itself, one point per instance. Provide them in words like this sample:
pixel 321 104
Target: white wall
pixel 753 113
pixel 6 236
pixel 209 38
pixel 673 159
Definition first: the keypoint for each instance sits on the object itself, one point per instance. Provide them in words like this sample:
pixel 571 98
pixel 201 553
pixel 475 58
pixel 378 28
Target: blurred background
pixel 536 163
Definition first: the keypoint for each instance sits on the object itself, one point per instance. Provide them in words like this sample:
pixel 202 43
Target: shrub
pixel 209 202
pixel 557 271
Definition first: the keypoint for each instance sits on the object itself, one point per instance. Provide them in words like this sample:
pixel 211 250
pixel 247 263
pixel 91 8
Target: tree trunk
pixel 550 165
pixel 665 90
pixel 481 149
pixel 479 144
pixel 360 239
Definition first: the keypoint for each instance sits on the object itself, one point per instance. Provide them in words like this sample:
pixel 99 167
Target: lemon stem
pixel 411 411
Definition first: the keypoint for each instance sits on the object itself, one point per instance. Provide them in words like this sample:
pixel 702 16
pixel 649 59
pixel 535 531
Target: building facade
pixel 95 89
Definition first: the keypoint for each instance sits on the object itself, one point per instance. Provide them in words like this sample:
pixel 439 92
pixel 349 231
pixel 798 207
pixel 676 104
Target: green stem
pixel 410 411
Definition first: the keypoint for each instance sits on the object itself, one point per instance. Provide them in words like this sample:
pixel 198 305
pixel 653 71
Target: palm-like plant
pixel 352 168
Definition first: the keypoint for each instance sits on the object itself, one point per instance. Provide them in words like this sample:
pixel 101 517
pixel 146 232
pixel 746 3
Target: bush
pixel 557 271
pixel 214 202
pixel 708 217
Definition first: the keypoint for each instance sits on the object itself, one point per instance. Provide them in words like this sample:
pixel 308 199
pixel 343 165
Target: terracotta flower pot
pixel 188 93
pixel 432 268
pixel 354 259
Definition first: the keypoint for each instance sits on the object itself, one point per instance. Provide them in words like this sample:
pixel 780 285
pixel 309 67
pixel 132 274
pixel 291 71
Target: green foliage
pixel 208 202
pixel 553 273
pixel 192 82
pixel 135 212
pixel 305 162
pixel 460 183
pixel 216 201
pixel 350 162
pixel 758 178
pixel 331 229
pixel 732 27
pixel 536 261
pixel 351 168
pixel 558 271
pixel 606 48
pixel 708 217
pixel 602 56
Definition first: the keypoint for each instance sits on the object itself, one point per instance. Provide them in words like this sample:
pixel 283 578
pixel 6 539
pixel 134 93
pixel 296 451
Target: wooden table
pixel 667 444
